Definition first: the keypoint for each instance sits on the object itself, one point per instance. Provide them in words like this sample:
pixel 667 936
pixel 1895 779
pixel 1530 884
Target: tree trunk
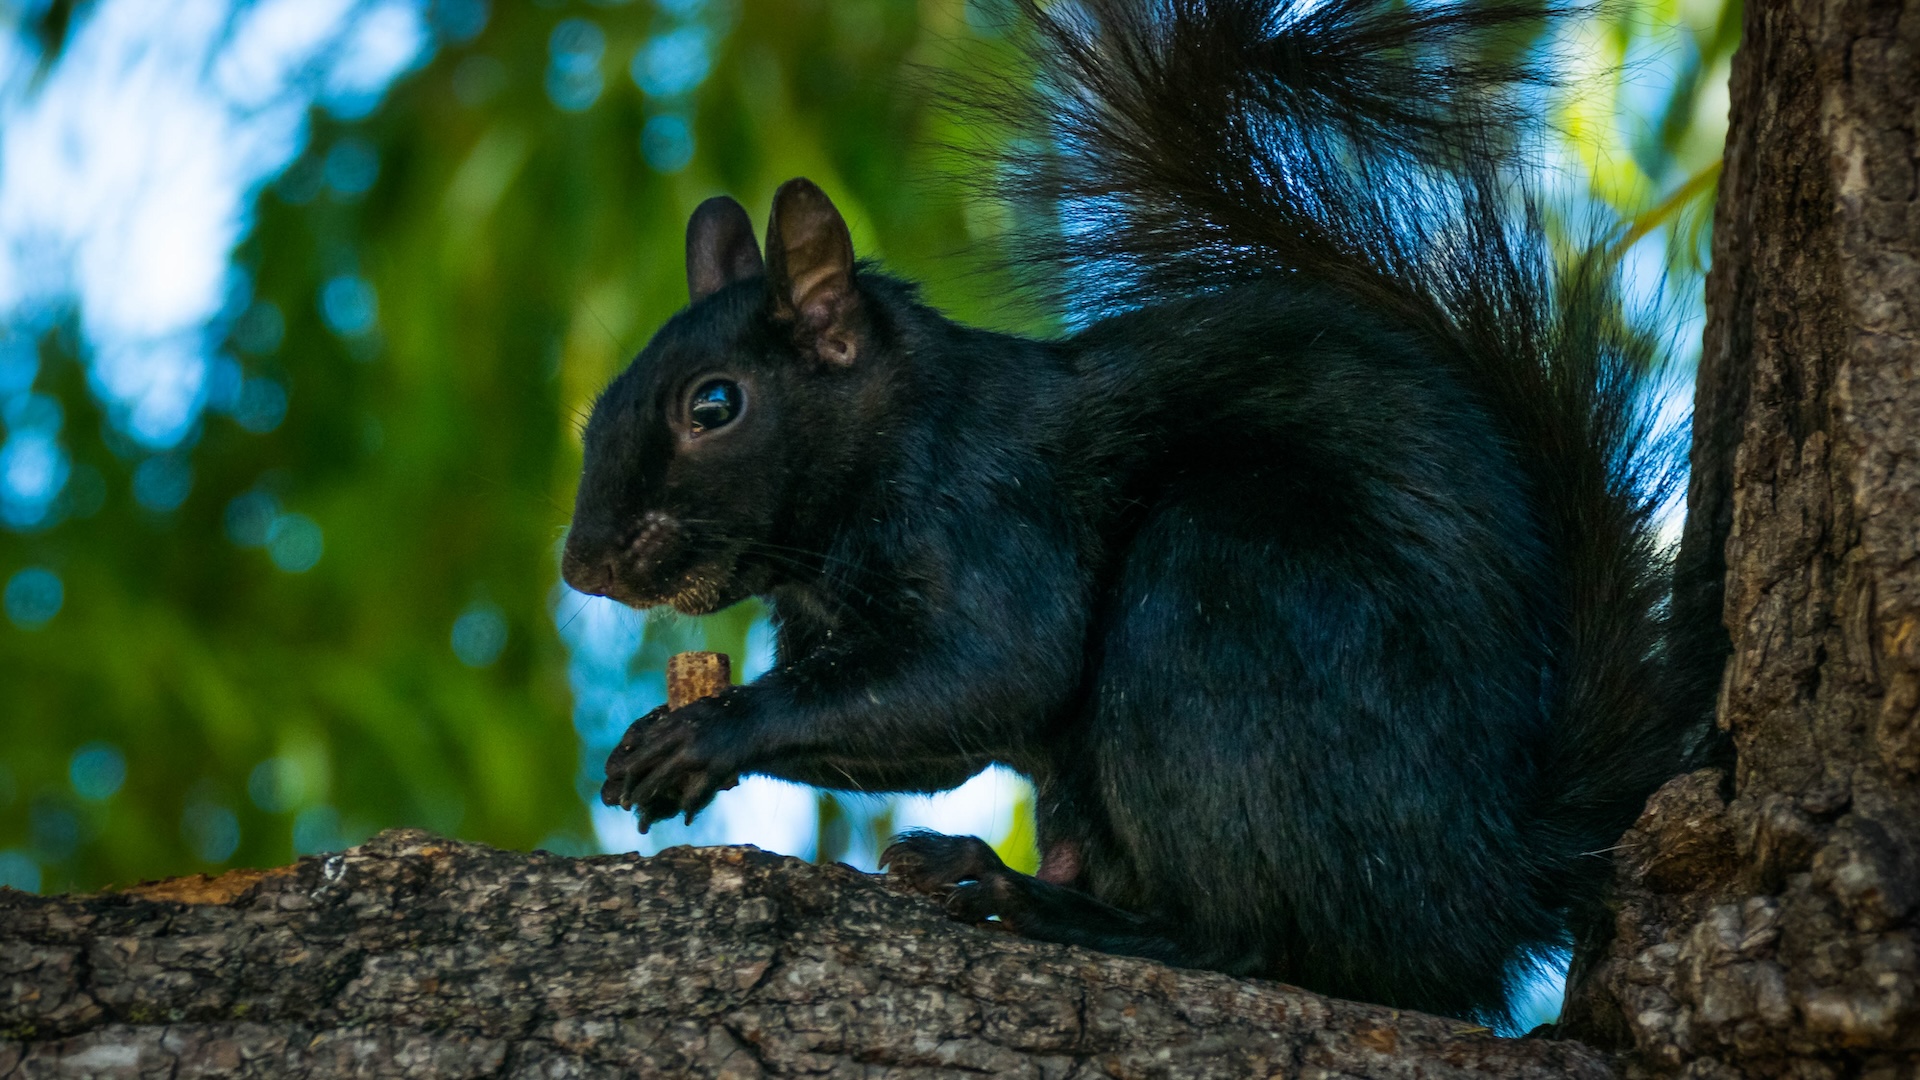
pixel 1767 925
pixel 415 956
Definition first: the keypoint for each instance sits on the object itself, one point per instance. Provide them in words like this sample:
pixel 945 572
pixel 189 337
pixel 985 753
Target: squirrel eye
pixel 714 404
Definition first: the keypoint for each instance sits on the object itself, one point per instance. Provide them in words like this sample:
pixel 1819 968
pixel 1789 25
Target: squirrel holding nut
pixel 1311 576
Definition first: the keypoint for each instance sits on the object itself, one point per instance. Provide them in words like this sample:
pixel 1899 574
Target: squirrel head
pixel 735 428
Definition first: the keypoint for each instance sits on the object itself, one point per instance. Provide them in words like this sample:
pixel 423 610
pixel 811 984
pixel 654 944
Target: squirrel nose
pixel 592 576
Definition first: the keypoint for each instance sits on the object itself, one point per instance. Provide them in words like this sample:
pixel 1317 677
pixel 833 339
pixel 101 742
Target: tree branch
pixel 413 955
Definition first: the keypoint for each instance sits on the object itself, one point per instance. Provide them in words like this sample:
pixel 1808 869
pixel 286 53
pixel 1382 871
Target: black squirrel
pixel 1312 581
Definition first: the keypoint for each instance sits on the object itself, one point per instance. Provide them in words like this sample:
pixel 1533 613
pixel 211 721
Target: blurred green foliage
pixel 518 253
pixel 196 703
pixel 1646 118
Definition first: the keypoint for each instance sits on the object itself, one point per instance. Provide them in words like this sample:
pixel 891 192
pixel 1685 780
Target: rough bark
pixel 416 956
pixel 1767 924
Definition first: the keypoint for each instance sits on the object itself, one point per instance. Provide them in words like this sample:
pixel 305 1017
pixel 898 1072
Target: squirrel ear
pixel 810 270
pixel 720 247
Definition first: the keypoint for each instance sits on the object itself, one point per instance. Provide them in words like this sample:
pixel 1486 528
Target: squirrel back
pixel 1382 150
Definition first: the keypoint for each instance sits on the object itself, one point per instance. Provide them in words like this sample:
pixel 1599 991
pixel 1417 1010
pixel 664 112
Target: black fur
pixel 1313 584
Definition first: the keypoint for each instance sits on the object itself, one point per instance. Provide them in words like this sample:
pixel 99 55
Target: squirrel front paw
pixel 671 761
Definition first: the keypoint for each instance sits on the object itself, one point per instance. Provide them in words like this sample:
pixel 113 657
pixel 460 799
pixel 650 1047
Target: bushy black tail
pixel 1189 145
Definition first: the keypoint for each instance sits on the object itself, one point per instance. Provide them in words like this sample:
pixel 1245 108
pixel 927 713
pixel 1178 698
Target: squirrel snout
pixel 621 570
pixel 593 576
pixel 602 576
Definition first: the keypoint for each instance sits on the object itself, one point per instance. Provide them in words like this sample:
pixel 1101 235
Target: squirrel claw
pixel 964 871
pixel 935 863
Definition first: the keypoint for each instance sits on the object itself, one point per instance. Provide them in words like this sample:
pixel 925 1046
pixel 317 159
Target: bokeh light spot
pixel 97 770
pixel 262 405
pixel 667 143
pixel 33 470
pixel 212 831
pixel 19 362
pixel 261 329
pixel 573 92
pixel 224 376
pixel 349 305
pixel 301 182
pixel 673 63
pixel 479 634
pixel 34 467
pixel 295 543
pixel 249 517
pixel 576 44
pixel 459 21
pixel 573 69
pixel 317 829
pixel 352 167
pixel 161 483
pixel 33 597
pixel 34 412
pixel 275 785
pixel 19 871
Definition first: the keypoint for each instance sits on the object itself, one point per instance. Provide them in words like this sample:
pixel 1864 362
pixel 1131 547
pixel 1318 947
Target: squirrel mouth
pixel 700 589
pixel 660 565
pixel 711 584
pixel 701 596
